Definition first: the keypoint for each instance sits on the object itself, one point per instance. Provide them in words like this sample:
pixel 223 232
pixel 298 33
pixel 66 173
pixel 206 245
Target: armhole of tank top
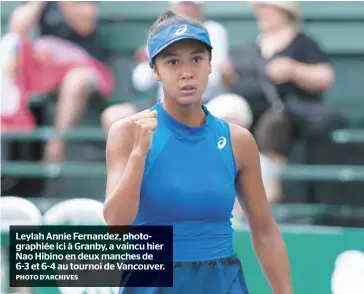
pixel 228 157
pixel 232 154
pixel 231 149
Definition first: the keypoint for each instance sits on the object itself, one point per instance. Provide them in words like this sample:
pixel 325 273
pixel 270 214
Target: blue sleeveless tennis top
pixel 189 182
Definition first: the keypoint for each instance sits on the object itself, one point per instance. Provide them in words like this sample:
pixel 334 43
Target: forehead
pixel 186 4
pixel 185 47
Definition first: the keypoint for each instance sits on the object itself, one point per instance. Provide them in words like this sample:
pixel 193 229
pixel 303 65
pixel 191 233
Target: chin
pixel 264 26
pixel 188 100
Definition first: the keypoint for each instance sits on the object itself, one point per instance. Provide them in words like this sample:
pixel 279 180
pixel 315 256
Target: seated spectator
pixel 66 57
pixel 293 63
pixel 143 79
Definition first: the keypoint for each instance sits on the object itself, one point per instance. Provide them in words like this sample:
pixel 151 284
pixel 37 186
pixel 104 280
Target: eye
pixel 173 61
pixel 197 59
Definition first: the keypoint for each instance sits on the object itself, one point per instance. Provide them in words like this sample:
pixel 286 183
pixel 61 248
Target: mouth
pixel 188 90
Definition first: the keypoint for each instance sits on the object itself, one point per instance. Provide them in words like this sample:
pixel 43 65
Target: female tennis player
pixel 176 164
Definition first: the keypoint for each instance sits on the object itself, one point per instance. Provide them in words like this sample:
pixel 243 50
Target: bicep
pixel 312 52
pixel 249 185
pixel 319 68
pixel 117 153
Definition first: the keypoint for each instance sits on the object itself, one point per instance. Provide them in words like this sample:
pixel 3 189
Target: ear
pixel 210 68
pixel 155 73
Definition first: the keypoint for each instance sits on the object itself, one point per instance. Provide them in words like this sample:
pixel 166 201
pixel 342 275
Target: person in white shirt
pixel 231 107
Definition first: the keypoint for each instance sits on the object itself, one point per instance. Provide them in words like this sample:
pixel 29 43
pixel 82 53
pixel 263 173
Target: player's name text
pixel 76 236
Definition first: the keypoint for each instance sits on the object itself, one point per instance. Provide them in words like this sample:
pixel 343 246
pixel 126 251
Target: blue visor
pixel 175 33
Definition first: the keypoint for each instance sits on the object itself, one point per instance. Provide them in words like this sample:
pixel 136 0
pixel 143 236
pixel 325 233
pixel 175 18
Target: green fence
pixel 312 253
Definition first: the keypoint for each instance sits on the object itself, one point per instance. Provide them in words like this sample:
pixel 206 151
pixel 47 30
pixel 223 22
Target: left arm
pixel 314 72
pixel 266 238
pixel 311 71
pixel 81 16
pixel 312 77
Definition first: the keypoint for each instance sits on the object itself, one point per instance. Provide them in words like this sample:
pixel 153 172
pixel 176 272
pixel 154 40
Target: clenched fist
pixel 144 124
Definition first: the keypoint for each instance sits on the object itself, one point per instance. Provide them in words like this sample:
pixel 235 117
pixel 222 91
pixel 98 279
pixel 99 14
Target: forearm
pixel 80 16
pixel 121 206
pixel 312 78
pixel 272 254
pixel 25 17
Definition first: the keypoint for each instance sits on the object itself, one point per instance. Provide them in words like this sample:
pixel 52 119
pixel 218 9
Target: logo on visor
pixel 181 30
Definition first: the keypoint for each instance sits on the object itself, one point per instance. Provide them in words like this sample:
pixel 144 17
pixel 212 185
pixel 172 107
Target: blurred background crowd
pixel 290 72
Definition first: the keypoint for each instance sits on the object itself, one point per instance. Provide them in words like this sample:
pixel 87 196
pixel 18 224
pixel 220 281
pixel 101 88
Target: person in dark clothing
pixel 295 65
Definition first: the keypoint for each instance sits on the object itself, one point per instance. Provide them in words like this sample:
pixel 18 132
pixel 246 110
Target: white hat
pixel 231 106
pixel 195 2
pixel 348 273
pixel 288 6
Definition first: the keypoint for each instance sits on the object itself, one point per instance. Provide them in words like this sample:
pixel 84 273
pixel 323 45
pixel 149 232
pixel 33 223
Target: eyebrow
pixel 172 54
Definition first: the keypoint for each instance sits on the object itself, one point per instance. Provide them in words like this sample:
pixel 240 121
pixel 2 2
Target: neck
pixel 273 41
pixel 285 29
pixel 190 115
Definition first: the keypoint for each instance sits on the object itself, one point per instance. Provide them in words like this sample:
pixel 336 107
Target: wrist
pixel 286 289
pixel 294 69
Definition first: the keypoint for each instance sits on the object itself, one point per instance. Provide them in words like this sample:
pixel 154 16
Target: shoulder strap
pixel 268 88
pixel 224 145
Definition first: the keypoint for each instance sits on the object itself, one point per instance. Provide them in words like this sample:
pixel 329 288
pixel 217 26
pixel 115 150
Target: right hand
pixel 144 124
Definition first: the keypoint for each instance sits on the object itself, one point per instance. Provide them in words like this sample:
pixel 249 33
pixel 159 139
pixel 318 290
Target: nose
pixel 187 76
pixel 187 73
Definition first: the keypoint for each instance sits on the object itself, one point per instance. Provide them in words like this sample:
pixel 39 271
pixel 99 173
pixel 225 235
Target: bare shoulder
pixel 239 133
pixel 243 144
pixel 120 140
pixel 120 131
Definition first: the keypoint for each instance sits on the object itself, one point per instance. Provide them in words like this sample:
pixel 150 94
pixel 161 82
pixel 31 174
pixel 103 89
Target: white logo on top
pixel 181 30
pixel 222 142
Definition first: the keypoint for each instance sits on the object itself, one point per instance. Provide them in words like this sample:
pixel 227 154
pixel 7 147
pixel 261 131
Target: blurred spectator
pixel 348 274
pixel 66 57
pixel 232 108
pixel 295 66
pixel 143 79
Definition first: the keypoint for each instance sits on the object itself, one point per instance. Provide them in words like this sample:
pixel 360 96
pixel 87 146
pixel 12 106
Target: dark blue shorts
pixel 221 276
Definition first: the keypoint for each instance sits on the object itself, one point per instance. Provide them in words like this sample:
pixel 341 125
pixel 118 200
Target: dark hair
pixel 169 18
